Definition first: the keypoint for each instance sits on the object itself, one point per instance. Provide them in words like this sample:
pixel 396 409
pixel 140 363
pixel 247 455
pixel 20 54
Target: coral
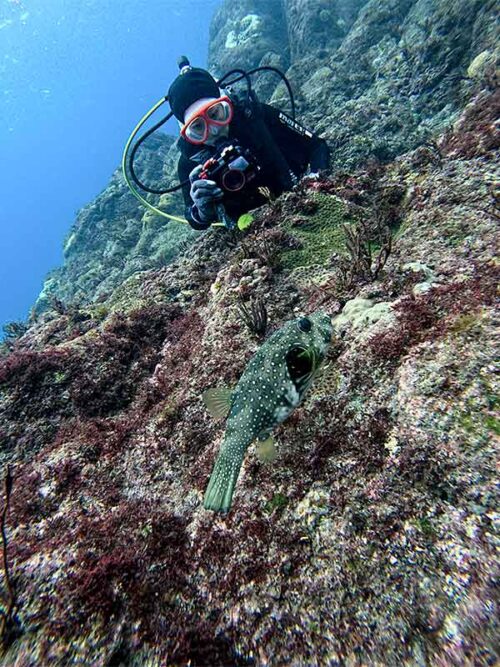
pixel 360 313
pixel 483 65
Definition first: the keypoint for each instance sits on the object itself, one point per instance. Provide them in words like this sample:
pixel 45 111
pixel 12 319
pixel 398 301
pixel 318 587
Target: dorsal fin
pixel 218 401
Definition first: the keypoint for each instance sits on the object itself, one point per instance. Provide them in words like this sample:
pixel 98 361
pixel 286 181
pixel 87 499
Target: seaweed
pixel 10 626
pixel 254 316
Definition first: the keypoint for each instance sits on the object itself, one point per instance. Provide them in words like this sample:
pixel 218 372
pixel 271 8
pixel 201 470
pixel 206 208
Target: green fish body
pixel 272 385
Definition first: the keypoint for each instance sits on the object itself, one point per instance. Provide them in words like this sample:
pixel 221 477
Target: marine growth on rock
pixel 371 538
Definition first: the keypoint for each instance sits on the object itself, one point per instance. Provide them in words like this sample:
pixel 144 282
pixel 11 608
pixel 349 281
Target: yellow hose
pixel 137 194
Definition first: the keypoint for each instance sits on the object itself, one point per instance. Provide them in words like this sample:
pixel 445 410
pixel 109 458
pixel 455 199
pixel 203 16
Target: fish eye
pixel 305 324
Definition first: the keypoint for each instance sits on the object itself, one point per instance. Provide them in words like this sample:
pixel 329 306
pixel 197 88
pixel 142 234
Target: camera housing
pixel 232 168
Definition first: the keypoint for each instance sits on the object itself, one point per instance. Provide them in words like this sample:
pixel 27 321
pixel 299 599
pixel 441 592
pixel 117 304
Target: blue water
pixel 75 77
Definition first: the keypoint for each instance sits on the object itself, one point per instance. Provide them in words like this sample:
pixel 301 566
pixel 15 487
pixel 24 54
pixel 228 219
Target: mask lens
pixel 219 112
pixel 196 129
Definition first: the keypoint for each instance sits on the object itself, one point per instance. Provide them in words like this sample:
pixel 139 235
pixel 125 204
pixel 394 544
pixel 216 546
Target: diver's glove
pixel 205 195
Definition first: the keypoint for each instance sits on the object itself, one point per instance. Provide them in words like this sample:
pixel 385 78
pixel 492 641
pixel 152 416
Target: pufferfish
pixel 271 387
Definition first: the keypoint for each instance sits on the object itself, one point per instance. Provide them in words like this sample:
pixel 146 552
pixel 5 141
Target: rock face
pixel 114 237
pixel 317 27
pixel 243 33
pixel 375 78
pixel 371 539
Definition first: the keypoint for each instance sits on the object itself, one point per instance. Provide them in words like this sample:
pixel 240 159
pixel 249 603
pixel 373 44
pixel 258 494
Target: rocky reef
pixel 375 78
pixel 371 539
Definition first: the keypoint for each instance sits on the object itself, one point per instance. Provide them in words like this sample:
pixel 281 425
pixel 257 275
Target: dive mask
pixel 215 112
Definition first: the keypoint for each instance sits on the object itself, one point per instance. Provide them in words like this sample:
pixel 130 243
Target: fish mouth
pixel 302 362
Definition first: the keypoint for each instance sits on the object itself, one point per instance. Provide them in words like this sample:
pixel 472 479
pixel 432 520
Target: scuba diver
pixel 271 149
pixel 236 152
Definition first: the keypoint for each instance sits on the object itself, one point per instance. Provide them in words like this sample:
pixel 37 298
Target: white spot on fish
pixel 292 395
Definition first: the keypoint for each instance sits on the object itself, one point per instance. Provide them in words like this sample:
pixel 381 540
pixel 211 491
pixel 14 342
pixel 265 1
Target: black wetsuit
pixel 282 148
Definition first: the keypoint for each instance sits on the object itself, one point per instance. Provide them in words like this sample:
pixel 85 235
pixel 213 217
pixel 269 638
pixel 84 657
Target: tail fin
pixel 219 493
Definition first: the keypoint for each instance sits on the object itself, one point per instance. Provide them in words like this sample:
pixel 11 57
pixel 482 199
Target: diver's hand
pixel 205 195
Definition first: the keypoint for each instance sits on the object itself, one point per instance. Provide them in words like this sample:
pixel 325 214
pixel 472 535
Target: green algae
pixel 426 528
pixel 399 228
pixel 60 377
pixel 99 311
pixel 479 423
pixel 492 424
pixel 466 322
pixel 245 221
pixel 277 502
pixel 320 234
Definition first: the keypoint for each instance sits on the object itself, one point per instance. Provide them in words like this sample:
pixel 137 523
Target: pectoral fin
pixel 266 450
pixel 218 401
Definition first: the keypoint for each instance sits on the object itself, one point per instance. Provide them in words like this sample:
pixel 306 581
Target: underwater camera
pixel 232 167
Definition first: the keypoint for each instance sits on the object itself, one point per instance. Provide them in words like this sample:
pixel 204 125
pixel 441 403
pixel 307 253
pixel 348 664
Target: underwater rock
pixel 422 269
pixel 313 507
pixel 113 237
pixel 371 539
pixel 407 85
pixel 243 34
pixel 485 61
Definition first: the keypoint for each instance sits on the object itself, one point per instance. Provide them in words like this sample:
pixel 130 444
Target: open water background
pixel 75 77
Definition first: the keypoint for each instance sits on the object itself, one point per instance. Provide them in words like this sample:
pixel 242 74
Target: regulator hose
pixel 125 159
pixel 246 75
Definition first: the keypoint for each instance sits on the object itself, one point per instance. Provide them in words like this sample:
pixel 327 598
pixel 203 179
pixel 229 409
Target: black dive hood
pixel 191 84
